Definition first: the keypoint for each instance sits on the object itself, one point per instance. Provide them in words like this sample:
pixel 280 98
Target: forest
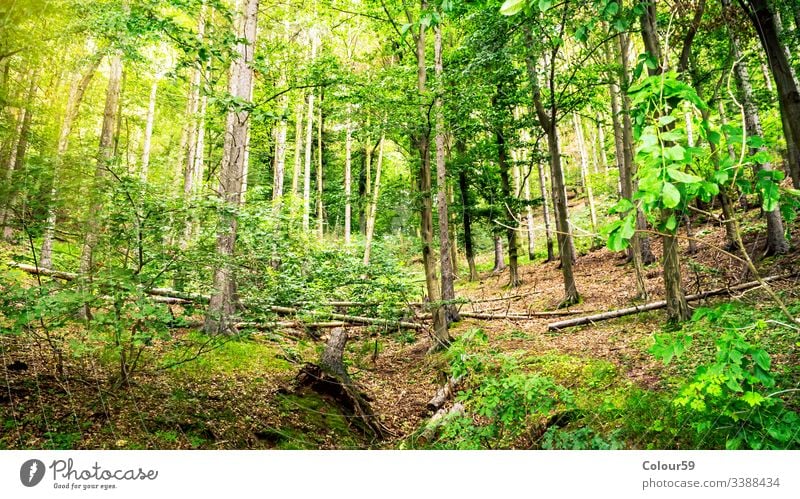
pixel 399 224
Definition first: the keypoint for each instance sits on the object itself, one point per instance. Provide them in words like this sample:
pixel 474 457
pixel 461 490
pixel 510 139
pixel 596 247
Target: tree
pixel 222 306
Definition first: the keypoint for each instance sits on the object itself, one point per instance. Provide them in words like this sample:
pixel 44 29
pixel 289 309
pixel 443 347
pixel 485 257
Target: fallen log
pixel 173 296
pixel 521 317
pixel 351 319
pixel 656 305
pixel 330 378
pixel 443 394
pixel 436 421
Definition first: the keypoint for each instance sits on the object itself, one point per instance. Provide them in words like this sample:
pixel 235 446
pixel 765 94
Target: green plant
pixel 732 400
pixel 503 403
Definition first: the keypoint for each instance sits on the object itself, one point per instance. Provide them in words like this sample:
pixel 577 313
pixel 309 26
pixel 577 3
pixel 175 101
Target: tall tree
pixel 222 305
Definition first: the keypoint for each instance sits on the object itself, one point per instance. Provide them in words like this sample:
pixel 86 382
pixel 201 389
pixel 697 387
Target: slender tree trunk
pixel 776 241
pixel 601 145
pixel 320 214
pixel 104 156
pixel 373 206
pixel 639 241
pixel 677 308
pixel 768 29
pixel 585 169
pixel 298 147
pixel 466 206
pixel 222 305
pixel 499 259
pixel 148 130
pixel 77 89
pixel 348 146
pixel 511 231
pixel 17 162
pixel 445 256
pixel 546 211
pixel 309 139
pixel 441 333
pixel 529 214
pixel 279 170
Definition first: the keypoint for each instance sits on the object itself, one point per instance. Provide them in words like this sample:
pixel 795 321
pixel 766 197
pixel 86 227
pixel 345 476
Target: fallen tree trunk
pixel 443 394
pixel 516 316
pixel 168 295
pixel 330 378
pixel 435 423
pixel 613 314
pixel 351 319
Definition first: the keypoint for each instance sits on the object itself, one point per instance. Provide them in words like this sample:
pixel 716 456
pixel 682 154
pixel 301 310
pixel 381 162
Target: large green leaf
pixel 511 7
pixel 685 178
pixel 670 195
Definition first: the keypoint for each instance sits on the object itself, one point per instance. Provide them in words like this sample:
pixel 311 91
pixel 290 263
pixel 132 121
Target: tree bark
pixel 298 146
pixel 766 25
pixel 441 335
pixel 77 89
pixel 104 156
pixel 320 214
pixel 466 206
pixel 499 260
pixel 511 231
pixel 373 207
pixel 348 146
pixel 584 160
pixel 148 130
pixel 279 171
pixel 548 121
pixel 545 210
pixel 309 139
pixel 222 306
pixel 17 162
pixel 776 240
pixel 445 255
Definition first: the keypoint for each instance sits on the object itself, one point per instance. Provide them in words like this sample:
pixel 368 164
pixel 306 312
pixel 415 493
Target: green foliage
pixel 729 400
pixel 579 439
pixel 502 401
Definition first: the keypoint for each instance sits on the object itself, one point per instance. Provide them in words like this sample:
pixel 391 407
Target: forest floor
pixel 240 395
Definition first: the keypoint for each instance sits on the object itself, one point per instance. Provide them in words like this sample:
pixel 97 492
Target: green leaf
pixel 755 141
pixel 624 205
pixel 761 157
pixel 675 153
pixel 753 398
pixel 671 222
pixel 628 228
pixel 770 194
pixel 611 9
pixel 666 120
pixel 686 178
pixel 544 5
pixel 511 7
pixel 670 195
pixel 761 357
pixel 620 24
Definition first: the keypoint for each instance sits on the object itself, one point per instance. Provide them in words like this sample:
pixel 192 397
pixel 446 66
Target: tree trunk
pixel 77 89
pixel 222 305
pixel 639 240
pixel 548 122
pixel 445 256
pixel 677 308
pixel 309 143
pixel 348 145
pixel 441 334
pixel 320 214
pixel 529 214
pixel 545 211
pixel 104 157
pixel 298 146
pixel 148 130
pixel 511 231
pixel 279 171
pixel 499 260
pixel 17 161
pixel 373 207
pixel 585 169
pixel 776 241
pixel 466 205
pixel 765 23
